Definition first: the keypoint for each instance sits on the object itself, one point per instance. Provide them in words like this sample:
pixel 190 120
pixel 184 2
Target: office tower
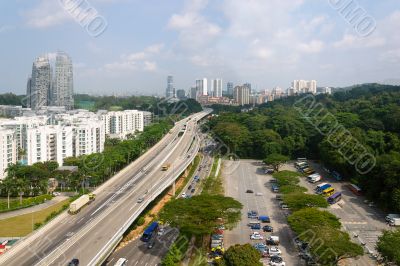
pixel 181 94
pixel 40 83
pixel 216 85
pixel 241 94
pixel 193 93
pixel 229 88
pixel 170 91
pixel 248 85
pixel 62 91
pixel 201 85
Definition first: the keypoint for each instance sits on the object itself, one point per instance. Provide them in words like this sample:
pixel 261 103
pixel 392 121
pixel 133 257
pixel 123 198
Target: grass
pixel 213 184
pixel 19 226
pixel 26 202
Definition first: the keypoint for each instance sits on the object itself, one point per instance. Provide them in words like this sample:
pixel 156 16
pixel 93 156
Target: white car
pixel 160 231
pixel 277 263
pixel 259 194
pixel 273 251
pixel 184 195
pixel 256 236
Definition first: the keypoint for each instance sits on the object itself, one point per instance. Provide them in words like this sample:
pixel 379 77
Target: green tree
pixel 276 160
pixel 242 255
pixel 297 201
pixel 389 246
pixel 200 215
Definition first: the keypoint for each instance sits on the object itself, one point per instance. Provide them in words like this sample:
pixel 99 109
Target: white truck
pixel 314 178
pixel 391 216
pixel 79 203
pixel 394 222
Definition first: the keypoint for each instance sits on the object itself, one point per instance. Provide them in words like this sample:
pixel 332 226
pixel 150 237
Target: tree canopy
pixel 200 215
pixel 242 255
pixel 276 160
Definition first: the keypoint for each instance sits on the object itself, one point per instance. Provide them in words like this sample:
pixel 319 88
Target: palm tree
pixel 8 185
pixel 21 185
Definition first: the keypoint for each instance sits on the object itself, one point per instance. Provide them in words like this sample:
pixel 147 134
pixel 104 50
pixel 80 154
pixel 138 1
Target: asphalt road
pixel 137 252
pixel 84 234
pixel 245 175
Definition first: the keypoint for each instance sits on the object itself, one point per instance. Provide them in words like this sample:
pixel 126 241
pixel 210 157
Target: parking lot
pixel 247 175
pixel 364 223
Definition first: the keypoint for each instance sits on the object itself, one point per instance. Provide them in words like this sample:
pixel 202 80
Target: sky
pixel 130 46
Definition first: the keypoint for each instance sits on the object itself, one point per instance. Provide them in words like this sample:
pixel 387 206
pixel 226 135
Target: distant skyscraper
pixel 229 88
pixel 170 92
pixel 216 85
pixel 193 93
pixel 62 91
pixel 40 83
pixel 181 94
pixel 241 94
pixel 201 85
pixel 248 85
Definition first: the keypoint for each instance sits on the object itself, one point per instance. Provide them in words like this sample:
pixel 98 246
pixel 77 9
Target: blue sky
pixel 265 42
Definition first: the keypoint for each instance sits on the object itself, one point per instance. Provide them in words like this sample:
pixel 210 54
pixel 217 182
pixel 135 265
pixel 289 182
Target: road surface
pixel 82 236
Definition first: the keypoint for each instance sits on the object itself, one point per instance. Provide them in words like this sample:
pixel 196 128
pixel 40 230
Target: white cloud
pixel 47 14
pixel 136 61
pixel 350 41
pixel 314 46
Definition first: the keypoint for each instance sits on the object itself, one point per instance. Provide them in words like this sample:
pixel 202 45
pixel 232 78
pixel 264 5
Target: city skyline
pixel 136 56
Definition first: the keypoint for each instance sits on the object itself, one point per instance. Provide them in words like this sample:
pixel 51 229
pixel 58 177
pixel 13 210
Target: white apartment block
pixel 49 143
pixel 8 150
pixel 120 124
pixel 88 138
pixel 304 86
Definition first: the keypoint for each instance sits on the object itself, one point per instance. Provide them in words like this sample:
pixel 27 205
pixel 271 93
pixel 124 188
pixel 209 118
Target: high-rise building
pixel 170 91
pixel 181 94
pixel 201 86
pixel 241 94
pixel 40 84
pixel 248 85
pixel 229 88
pixel 28 92
pixel 62 91
pixel 193 93
pixel 304 86
pixel 216 88
pixel 8 150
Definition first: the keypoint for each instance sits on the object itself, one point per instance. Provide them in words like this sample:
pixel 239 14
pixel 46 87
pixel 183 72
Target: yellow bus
pixel 328 192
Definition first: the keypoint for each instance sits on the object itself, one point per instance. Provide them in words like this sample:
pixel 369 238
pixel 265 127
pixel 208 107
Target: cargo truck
pixel 79 203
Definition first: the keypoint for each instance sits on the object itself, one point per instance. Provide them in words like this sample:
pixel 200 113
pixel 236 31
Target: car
pixel 193 190
pixel 55 194
pixel 273 181
pixel 161 231
pixel 190 187
pixel 74 262
pixel 151 244
pixel 140 200
pixel 255 226
pixel 252 214
pixel 274 251
pixel 256 236
pixel 184 195
pixel 268 228
pixel 260 246
pixel 217 237
pixel 284 207
pixel 274 263
pixel 269 171
pixel 249 191
pixel 259 194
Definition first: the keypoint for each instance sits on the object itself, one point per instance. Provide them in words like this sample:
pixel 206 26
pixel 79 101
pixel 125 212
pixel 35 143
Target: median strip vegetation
pixel 319 229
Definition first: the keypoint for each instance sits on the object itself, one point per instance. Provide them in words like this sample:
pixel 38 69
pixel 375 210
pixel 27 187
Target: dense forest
pixel 11 99
pixel 370 113
pixel 158 106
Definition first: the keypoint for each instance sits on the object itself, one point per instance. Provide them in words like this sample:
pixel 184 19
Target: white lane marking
pixel 136 262
pixel 133 206
pixel 111 260
pixel 80 220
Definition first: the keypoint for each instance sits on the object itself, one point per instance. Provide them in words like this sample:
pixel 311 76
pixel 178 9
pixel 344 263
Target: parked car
pixel 249 191
pixel 273 240
pixel 161 231
pixel 256 236
pixel 268 228
pixel 193 190
pixel 255 226
pixel 252 214
pixel 259 194
pixel 279 197
pixel 274 251
pixel 264 219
